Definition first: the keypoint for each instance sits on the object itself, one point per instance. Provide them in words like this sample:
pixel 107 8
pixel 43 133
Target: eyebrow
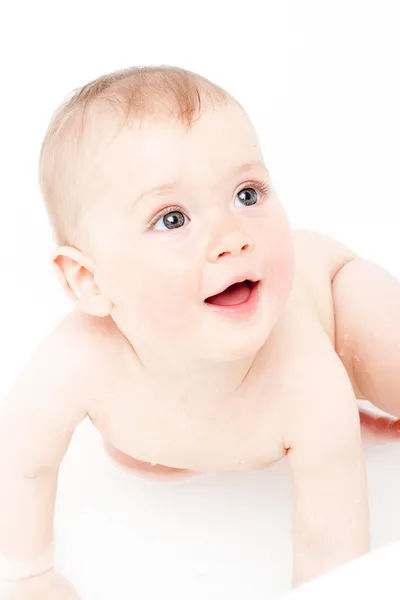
pixel 165 189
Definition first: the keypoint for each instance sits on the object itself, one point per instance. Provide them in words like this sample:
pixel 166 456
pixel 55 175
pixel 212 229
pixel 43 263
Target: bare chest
pixel 185 431
pixel 165 425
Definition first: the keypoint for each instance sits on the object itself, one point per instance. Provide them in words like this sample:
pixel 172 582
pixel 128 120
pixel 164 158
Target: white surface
pixel 374 575
pixel 319 80
pixel 212 537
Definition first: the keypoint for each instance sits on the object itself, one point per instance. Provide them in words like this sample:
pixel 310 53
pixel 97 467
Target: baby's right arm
pixel 37 420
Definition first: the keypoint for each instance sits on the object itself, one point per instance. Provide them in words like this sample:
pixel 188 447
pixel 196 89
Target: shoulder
pixel 60 385
pixel 86 353
pixel 318 258
pixel 320 251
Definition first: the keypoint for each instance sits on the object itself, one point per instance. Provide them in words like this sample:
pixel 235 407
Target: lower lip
pixel 238 311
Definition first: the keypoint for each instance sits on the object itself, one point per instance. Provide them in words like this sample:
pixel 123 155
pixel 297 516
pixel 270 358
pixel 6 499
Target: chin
pixel 237 347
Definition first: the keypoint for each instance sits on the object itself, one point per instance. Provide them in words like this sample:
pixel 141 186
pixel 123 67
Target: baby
pixel 206 335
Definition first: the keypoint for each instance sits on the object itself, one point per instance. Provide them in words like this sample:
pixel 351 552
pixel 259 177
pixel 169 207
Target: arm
pixel 366 301
pixel 37 420
pixel 330 512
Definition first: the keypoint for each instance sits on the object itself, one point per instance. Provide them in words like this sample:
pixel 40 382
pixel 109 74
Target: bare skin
pixel 284 382
pixel 245 430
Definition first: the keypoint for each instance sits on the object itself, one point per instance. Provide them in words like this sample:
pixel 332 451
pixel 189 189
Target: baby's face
pixel 159 254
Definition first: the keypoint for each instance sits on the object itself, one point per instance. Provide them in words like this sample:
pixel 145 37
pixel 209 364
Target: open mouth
pixel 235 294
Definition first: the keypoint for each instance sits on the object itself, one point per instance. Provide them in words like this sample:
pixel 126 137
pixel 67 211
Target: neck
pixel 200 377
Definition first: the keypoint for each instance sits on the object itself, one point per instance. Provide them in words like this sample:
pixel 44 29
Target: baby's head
pixel 142 172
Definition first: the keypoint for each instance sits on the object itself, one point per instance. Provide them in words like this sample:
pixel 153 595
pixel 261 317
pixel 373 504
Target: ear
pixel 75 273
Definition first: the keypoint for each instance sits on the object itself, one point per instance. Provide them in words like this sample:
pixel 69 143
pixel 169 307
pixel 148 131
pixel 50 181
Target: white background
pixel 320 82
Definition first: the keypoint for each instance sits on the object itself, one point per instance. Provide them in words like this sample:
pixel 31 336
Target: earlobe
pixel 76 275
pixel 98 306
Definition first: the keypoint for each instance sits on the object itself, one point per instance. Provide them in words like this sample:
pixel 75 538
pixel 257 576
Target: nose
pixel 230 240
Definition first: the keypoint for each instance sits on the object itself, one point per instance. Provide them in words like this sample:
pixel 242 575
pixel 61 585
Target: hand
pixel 48 586
pixel 378 428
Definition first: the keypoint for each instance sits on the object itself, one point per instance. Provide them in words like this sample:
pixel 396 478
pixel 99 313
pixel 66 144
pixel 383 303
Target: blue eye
pixel 247 196
pixel 171 217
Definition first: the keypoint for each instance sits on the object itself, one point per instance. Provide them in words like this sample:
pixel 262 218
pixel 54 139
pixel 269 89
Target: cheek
pixel 282 271
pixel 165 303
pixel 280 260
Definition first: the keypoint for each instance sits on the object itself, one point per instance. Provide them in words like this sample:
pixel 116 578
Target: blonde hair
pixel 131 94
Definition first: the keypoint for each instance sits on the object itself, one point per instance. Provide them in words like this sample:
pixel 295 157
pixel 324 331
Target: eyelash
pixel 263 188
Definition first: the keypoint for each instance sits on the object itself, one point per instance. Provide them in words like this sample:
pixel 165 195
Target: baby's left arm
pixel 367 321
pixel 322 435
pixel 331 523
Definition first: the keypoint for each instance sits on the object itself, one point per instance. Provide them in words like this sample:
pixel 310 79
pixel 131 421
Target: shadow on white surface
pixel 121 537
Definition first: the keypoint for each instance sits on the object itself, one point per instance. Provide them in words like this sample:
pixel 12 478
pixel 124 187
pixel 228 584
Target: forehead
pixel 157 152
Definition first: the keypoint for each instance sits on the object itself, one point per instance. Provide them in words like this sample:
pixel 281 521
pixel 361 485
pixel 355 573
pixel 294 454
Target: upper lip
pixel 236 279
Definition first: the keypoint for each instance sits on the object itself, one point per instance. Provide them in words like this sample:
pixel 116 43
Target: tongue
pixel 234 294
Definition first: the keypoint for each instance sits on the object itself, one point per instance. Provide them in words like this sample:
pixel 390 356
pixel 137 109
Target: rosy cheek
pixel 284 273
pixel 280 264
pixel 164 306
